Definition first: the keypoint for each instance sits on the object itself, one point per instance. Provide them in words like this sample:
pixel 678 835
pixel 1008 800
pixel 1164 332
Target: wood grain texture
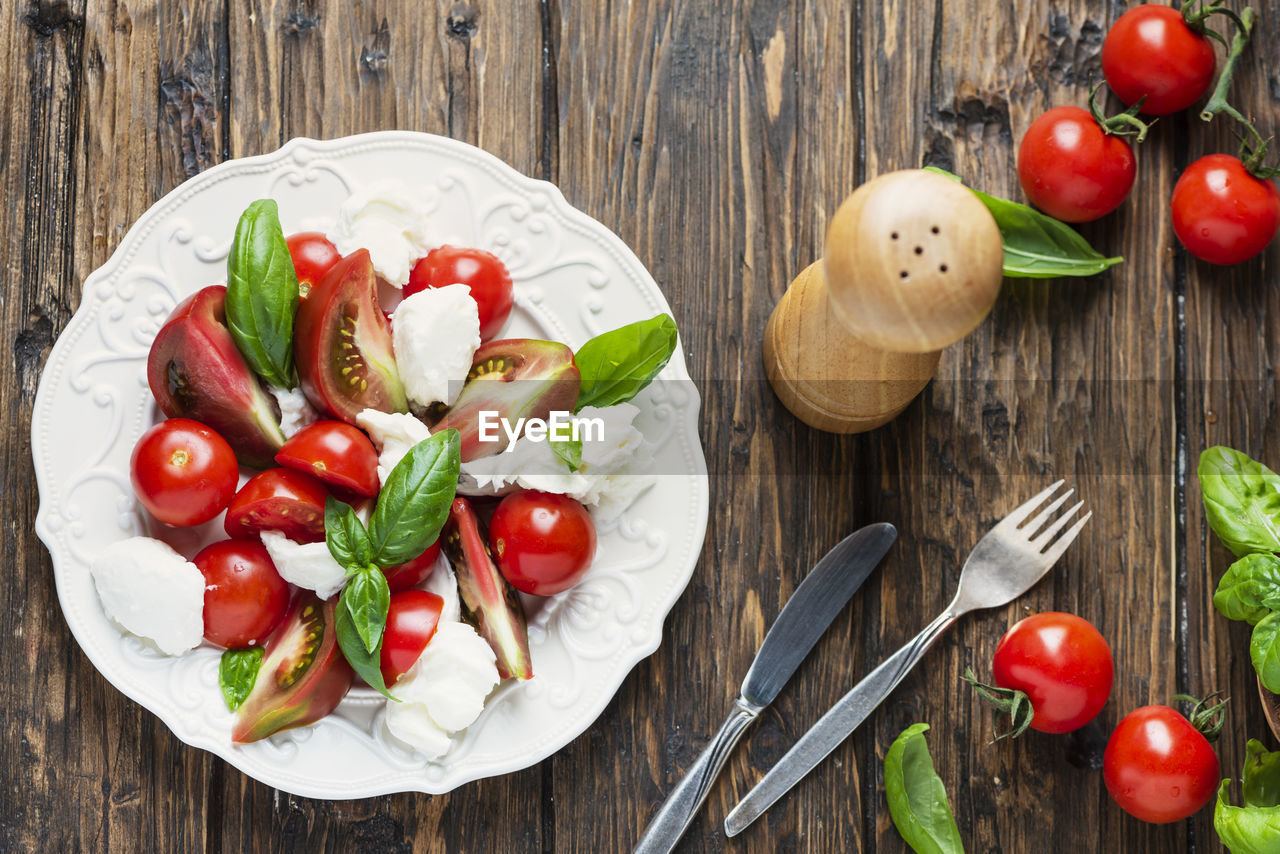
pixel 717 139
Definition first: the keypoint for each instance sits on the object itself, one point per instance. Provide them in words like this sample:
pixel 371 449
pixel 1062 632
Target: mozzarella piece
pixel 444 691
pixel 153 592
pixel 388 220
pixel 435 333
pixel 395 434
pixel 444 584
pixel 296 411
pixel 308 565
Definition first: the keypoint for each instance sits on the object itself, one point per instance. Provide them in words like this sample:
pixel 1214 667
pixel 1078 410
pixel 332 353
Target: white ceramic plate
pixel 574 278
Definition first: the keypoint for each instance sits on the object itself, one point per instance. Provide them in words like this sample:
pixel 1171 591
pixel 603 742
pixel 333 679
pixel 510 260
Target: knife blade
pixel 806 616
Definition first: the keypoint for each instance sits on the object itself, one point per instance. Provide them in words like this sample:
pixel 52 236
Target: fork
pixel 1005 563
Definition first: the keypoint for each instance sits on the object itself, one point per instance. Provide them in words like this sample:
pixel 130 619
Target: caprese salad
pixel 389 483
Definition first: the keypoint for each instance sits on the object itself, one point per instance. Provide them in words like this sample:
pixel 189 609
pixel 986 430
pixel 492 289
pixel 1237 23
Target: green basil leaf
pixel 617 365
pixel 1264 651
pixel 1246 830
pixel 1261 775
pixel 1037 246
pixel 569 451
pixel 1241 500
pixel 917 799
pixel 237 671
pixel 345 534
pixel 262 294
pixel 366 599
pixel 365 662
pixel 414 502
pixel 1250 588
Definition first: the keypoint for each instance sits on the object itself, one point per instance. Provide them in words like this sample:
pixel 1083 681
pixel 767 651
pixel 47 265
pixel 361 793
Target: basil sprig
pixel 1037 246
pixel 617 365
pixel 1253 828
pixel 917 799
pixel 262 294
pixel 1250 589
pixel 411 510
pixel 237 671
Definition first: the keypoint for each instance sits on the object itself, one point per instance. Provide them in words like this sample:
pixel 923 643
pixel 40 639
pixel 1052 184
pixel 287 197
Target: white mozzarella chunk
pixel 444 584
pixel 435 333
pixel 395 434
pixel 389 220
pixel 153 592
pixel 308 565
pixel 296 411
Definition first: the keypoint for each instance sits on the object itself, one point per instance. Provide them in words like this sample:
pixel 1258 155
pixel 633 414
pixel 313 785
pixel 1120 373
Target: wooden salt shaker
pixel 912 264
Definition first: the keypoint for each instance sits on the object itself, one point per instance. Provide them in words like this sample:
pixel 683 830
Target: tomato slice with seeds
pixel 281 500
pixel 335 453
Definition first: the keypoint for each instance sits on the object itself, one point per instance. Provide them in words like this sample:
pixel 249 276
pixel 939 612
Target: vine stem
pixel 1218 100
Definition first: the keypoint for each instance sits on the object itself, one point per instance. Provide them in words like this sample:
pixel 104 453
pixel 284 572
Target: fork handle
pixel 835 726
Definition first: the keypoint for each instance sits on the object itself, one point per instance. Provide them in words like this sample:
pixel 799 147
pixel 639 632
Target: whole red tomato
pixel 1071 168
pixel 413 572
pixel 1061 663
pixel 542 542
pixel 312 256
pixel 412 617
pixel 483 272
pixel 336 453
pixel 183 472
pixel 1158 767
pixel 244 597
pixel 281 500
pixel 1221 213
pixel 1150 51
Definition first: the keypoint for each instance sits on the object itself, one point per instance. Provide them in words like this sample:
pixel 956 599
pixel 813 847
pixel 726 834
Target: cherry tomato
pixel 1071 168
pixel 312 255
pixel 244 597
pixel 183 472
pixel 1158 767
pixel 281 500
pixel 481 271
pixel 542 542
pixel 336 453
pixel 1221 213
pixel 1151 51
pixel 411 622
pixel 1061 663
pixel 414 572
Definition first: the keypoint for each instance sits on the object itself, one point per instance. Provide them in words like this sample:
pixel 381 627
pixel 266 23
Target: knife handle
pixel 677 811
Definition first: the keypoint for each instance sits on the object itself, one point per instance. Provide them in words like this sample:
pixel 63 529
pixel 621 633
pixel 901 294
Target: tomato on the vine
pixel 482 272
pixel 312 256
pixel 412 617
pixel 1158 766
pixel 244 596
pixel 1062 663
pixel 1071 168
pixel 183 472
pixel 335 452
pixel 1221 213
pixel 1150 52
pixel 281 500
pixel 543 543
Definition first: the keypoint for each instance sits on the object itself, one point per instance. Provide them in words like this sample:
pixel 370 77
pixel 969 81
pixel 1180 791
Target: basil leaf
pixel 1241 500
pixel 1246 830
pixel 414 502
pixel 1264 651
pixel 1261 775
pixel 345 535
pixel 1037 246
pixel 366 599
pixel 568 450
pixel 237 671
pixel 366 663
pixel 616 365
pixel 1250 588
pixel 262 294
pixel 917 798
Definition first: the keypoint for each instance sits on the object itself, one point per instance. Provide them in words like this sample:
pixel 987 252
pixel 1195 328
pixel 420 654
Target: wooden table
pixel 716 138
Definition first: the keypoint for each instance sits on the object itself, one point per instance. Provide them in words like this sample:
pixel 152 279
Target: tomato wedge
pixel 336 453
pixel 412 617
pixel 281 500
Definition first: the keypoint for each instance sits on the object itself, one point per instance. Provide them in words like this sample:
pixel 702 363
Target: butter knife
pixel 820 597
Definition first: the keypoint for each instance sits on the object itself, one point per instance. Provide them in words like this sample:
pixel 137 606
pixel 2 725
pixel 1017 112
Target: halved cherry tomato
pixel 281 500
pixel 336 453
pixel 1061 663
pixel 1158 767
pixel 1221 213
pixel 244 597
pixel 412 617
pixel 414 572
pixel 543 543
pixel 312 255
pixel 483 272
pixel 1151 52
pixel 183 472
pixel 1071 168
